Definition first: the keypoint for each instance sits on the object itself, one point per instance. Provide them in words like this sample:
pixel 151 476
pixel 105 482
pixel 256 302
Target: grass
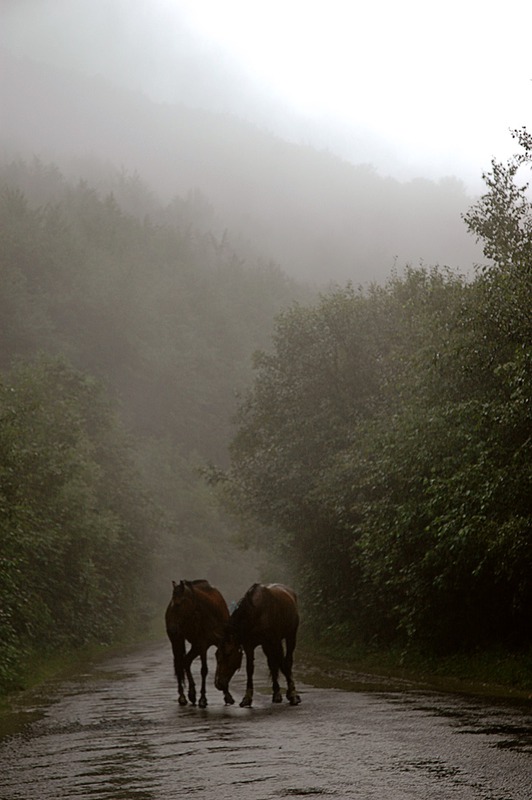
pixel 495 673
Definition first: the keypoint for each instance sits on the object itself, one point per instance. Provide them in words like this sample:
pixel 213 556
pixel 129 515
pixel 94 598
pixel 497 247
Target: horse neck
pixel 241 618
pixel 209 612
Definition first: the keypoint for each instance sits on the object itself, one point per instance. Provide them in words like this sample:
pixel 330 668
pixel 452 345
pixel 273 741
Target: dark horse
pixel 265 616
pixel 198 614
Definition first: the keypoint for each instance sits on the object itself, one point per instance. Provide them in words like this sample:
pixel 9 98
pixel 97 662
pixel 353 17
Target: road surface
pixel 117 732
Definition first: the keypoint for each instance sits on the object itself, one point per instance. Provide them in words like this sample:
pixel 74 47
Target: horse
pixel 197 613
pixel 266 615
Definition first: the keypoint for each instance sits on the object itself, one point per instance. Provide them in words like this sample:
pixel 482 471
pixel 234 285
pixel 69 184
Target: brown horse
pixel 265 616
pixel 197 613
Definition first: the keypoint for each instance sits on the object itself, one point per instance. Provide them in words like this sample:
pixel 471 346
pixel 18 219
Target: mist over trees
pixel 321 218
pixel 123 344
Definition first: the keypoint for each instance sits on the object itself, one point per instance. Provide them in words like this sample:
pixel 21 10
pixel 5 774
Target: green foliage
pixel 386 445
pixel 75 528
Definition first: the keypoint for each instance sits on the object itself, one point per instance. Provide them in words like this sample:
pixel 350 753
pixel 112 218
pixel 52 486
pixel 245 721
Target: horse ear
pixel 252 593
pixel 174 584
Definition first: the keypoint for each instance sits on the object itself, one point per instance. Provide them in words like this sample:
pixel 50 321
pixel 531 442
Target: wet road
pixel 117 732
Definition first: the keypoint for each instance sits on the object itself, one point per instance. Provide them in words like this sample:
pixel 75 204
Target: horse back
pixel 209 618
pixel 211 602
pixel 271 612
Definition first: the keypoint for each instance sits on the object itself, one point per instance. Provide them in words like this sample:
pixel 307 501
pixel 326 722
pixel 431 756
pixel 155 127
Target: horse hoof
pixel 182 700
pixel 229 700
pixel 294 700
pixel 202 702
pixel 245 703
pixel 277 698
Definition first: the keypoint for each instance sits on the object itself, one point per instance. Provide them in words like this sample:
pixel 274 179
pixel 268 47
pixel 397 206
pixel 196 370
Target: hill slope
pixel 321 218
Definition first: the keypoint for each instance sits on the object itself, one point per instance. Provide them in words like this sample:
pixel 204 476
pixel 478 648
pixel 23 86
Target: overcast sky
pixel 416 87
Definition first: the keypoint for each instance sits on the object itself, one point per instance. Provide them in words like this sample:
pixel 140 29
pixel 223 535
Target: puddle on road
pixel 503 721
pixel 29 706
pixel 465 712
pixel 118 732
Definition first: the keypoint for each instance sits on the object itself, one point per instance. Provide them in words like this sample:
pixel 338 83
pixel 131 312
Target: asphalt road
pixel 117 731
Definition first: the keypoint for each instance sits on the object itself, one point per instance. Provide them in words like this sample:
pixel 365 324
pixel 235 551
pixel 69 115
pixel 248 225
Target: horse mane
pixel 198 582
pixel 203 582
pixel 240 615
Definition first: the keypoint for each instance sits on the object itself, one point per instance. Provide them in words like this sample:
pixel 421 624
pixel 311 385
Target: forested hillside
pixel 320 217
pixel 386 446
pixel 124 342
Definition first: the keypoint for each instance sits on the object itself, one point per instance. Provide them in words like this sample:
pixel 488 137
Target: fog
pixel 416 91
pixel 173 176
pixel 335 156
pixel 150 48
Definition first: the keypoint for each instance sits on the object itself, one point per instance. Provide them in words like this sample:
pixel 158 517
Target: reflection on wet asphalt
pixel 118 732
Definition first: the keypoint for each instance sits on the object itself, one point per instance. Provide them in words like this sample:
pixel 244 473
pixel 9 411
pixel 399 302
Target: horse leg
pixel 228 698
pixel 274 655
pixel 204 671
pixel 248 697
pixel 178 649
pixel 286 668
pixel 189 658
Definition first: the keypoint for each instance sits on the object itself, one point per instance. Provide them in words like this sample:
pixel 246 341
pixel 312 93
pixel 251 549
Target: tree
pixel 502 218
pixel 386 443
pixel 76 531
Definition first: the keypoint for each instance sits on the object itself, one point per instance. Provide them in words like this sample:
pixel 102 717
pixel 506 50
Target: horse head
pixel 181 604
pixel 228 659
